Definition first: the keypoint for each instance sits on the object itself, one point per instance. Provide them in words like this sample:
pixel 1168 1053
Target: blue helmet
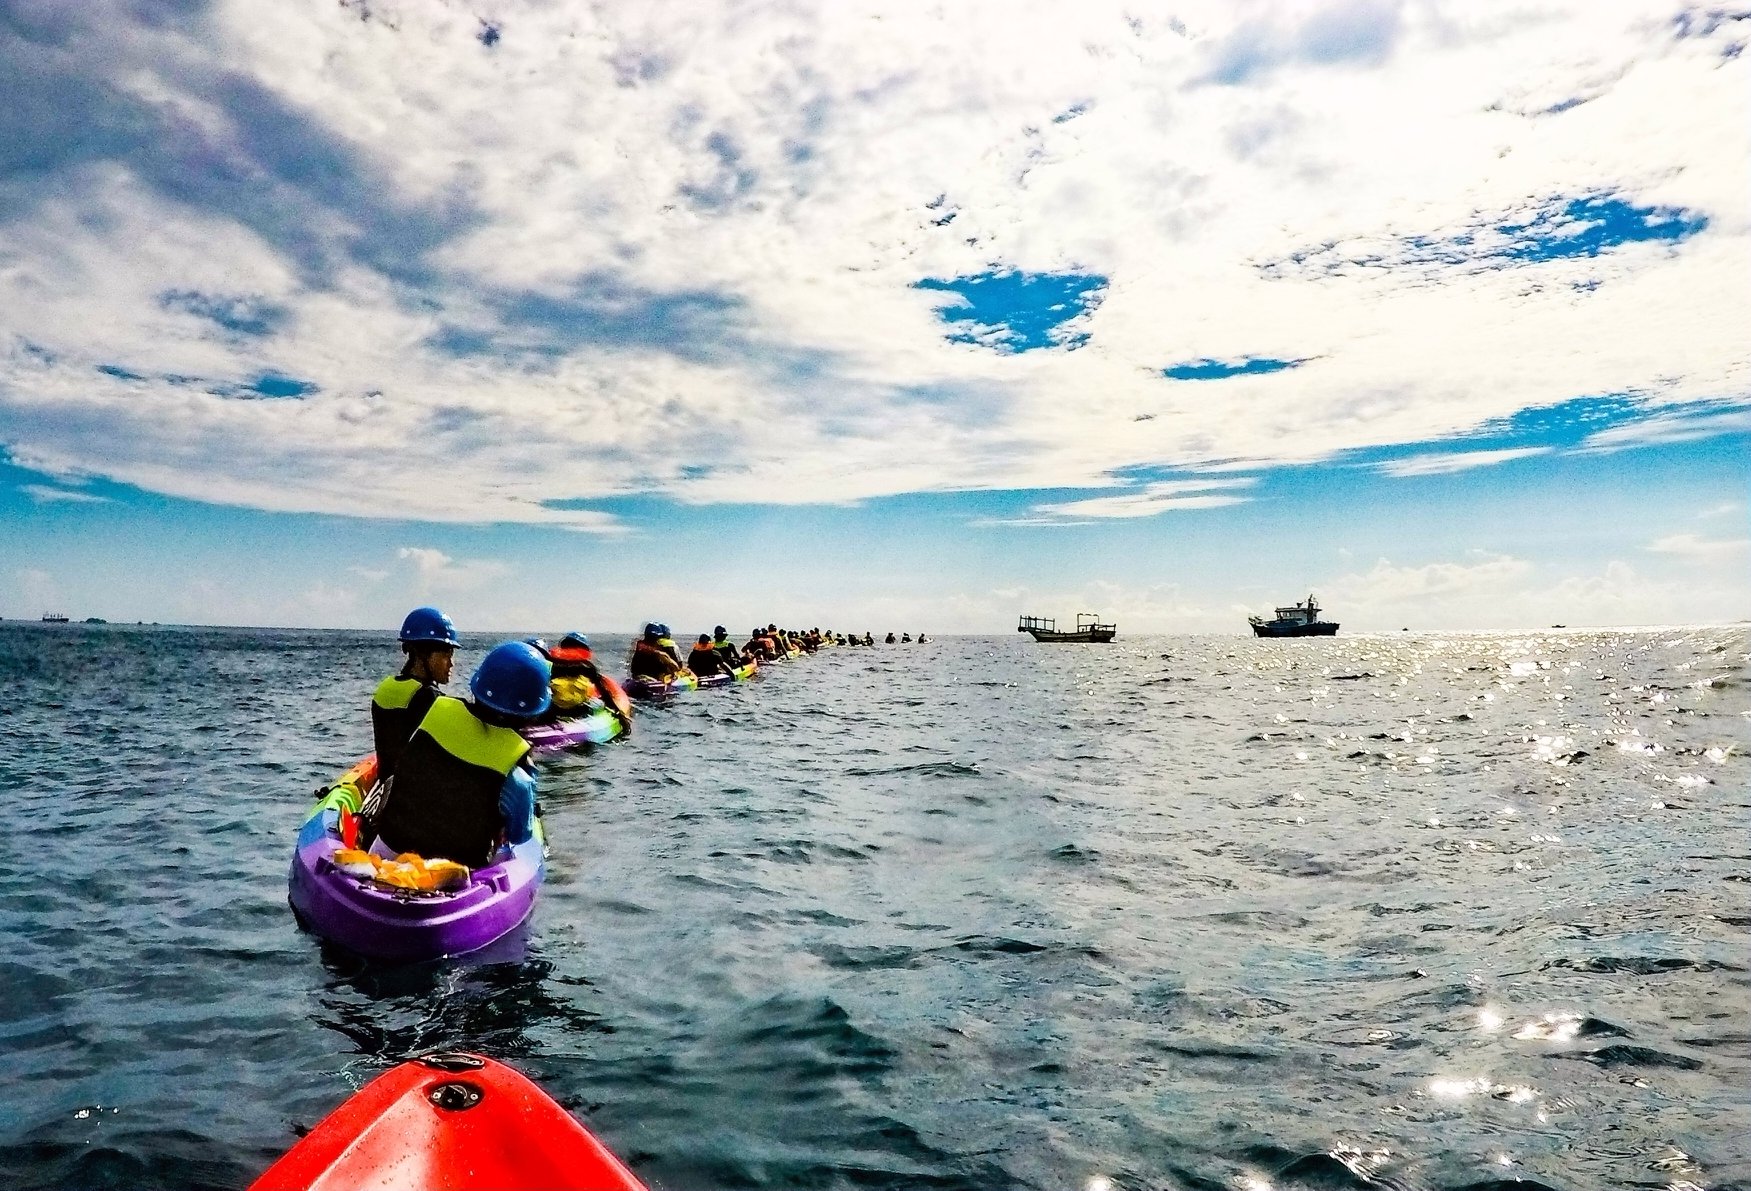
pixel 663 630
pixel 574 641
pixel 428 624
pixel 513 680
pixel 653 629
pixel 538 645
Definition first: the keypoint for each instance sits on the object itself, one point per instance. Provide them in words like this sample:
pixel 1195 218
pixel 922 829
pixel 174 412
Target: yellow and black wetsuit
pixel 397 708
pixel 445 801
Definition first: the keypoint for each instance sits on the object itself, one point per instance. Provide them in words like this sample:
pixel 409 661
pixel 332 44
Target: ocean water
pixel 1413 912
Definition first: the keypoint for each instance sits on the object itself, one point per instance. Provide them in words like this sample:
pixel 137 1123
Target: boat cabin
pixel 1306 613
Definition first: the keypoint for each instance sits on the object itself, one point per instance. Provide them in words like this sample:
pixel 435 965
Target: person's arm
pixel 517 804
pixel 594 674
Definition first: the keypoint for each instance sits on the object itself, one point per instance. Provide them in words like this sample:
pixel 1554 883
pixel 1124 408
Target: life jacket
pixel 570 661
pixel 445 801
pixel 728 649
pixel 668 646
pixel 397 708
pixel 572 691
pixel 651 661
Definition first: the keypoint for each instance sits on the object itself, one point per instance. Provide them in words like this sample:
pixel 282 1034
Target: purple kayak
pixel 651 688
pixel 655 688
pixel 599 727
pixel 404 925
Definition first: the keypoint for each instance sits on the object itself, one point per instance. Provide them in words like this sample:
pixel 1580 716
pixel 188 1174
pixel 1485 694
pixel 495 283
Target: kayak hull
pixel 403 925
pixel 652 688
pixel 451 1122
pixel 598 727
pixel 741 674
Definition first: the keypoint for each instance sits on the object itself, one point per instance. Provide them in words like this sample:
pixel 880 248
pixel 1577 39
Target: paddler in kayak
pixel 666 642
pixel 465 781
pixel 760 645
pixel 705 660
pixel 650 660
pixel 578 684
pixel 720 641
pixel 402 700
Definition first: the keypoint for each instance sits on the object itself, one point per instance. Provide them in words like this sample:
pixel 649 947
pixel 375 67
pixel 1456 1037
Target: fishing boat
pixel 1088 628
pixel 1296 620
pixel 55 618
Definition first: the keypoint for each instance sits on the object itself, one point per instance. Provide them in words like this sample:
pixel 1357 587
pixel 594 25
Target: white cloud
pixel 1486 591
pixel 1694 546
pixel 1454 461
pixel 624 241
pixel 1387 583
pixel 437 572
pixel 1671 427
pixel 1162 497
pixel 44 494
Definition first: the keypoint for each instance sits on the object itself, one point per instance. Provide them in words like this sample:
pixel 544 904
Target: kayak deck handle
pixel 456 1095
pixel 451 1060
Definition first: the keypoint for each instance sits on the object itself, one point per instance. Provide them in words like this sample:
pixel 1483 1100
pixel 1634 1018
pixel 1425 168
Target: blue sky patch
pixel 240 314
pixel 1222 369
pixel 273 384
pixel 1012 311
pixel 1555 229
pixel 1591 224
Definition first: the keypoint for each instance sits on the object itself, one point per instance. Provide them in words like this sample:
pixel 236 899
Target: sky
pixel 910 317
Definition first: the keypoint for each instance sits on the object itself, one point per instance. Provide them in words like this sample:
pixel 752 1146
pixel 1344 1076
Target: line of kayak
pixel 448 1122
pixel 660 688
pixel 405 911
pixel 454 1121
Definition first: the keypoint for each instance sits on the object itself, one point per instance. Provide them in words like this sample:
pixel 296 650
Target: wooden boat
pixel 1296 620
pixel 1088 629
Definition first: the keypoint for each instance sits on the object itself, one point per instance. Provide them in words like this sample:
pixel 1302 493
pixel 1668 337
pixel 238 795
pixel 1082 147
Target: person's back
pixel 649 658
pixel 401 701
pixel 464 779
pixel 722 643
pixel 574 680
pixel 705 660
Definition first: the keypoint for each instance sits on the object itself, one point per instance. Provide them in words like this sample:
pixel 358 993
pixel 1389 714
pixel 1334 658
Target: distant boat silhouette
pixel 1296 620
pixel 55 618
pixel 1088 628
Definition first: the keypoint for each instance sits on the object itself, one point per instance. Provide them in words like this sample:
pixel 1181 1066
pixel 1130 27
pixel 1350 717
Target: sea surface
pixel 1411 912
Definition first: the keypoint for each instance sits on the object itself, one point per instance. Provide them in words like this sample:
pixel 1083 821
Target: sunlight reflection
pixel 1490 1019
pixel 1363 1163
pixel 1458 1089
pixel 1447 1088
pixel 1098 1182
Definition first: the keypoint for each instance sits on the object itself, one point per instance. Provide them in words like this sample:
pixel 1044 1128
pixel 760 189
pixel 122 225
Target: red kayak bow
pixel 449 1122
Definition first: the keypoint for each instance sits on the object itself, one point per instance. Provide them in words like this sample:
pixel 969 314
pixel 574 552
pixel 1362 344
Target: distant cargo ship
pixel 55 618
pixel 1088 628
pixel 1297 620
